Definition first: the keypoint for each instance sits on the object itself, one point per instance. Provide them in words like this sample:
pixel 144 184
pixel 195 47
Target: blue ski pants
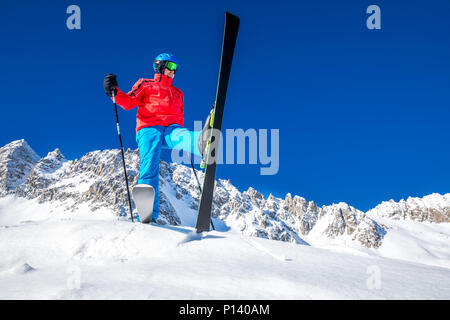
pixel 151 140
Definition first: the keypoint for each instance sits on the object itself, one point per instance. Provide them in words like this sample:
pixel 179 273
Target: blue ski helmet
pixel 161 60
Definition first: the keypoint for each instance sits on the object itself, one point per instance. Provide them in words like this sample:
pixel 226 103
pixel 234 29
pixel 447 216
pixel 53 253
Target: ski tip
pixel 229 14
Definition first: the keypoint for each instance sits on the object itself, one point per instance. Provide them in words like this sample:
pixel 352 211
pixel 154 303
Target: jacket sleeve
pixel 131 99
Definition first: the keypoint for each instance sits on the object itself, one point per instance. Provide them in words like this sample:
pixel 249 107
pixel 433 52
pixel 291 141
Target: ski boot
pixel 204 140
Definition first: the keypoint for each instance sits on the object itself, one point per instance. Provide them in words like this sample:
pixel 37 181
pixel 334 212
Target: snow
pixel 422 242
pixel 49 253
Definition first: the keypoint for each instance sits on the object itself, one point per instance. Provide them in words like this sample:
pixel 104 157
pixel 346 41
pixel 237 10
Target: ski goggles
pixel 172 66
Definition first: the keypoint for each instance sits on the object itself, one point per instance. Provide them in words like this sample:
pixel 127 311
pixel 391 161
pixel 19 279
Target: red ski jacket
pixel 158 102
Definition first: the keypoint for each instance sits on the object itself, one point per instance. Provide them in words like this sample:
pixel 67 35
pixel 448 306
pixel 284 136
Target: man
pixel 159 122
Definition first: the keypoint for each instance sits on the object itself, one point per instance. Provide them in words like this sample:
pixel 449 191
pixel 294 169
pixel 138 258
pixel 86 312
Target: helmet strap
pixel 162 67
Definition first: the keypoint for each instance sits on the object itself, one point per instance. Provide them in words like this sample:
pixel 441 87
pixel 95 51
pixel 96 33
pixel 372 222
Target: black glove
pixel 110 84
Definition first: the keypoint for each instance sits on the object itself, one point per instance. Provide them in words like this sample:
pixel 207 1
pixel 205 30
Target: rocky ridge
pixel 97 180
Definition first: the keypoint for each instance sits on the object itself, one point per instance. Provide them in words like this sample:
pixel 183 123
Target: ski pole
pixel 123 155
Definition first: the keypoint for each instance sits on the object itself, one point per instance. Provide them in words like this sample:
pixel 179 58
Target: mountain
pixel 431 208
pixel 17 160
pixel 96 182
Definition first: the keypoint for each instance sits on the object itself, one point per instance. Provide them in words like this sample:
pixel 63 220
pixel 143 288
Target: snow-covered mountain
pixel 96 180
pixel 42 195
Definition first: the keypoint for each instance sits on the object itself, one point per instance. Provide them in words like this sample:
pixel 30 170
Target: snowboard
pixel 143 196
pixel 206 197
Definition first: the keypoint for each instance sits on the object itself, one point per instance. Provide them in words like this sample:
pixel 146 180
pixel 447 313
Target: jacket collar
pixel 165 80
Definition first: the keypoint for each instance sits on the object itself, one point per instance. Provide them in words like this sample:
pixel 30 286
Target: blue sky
pixel 363 114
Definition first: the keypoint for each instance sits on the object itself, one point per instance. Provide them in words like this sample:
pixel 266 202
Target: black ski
pixel 206 198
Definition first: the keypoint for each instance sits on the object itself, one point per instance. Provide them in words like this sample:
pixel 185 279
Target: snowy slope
pixel 48 253
pixel 65 232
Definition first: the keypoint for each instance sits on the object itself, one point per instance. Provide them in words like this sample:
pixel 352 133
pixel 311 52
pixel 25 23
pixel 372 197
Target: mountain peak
pixel 17 160
pixel 56 154
pixel 21 145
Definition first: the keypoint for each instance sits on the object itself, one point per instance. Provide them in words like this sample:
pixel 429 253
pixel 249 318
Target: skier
pixel 159 123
